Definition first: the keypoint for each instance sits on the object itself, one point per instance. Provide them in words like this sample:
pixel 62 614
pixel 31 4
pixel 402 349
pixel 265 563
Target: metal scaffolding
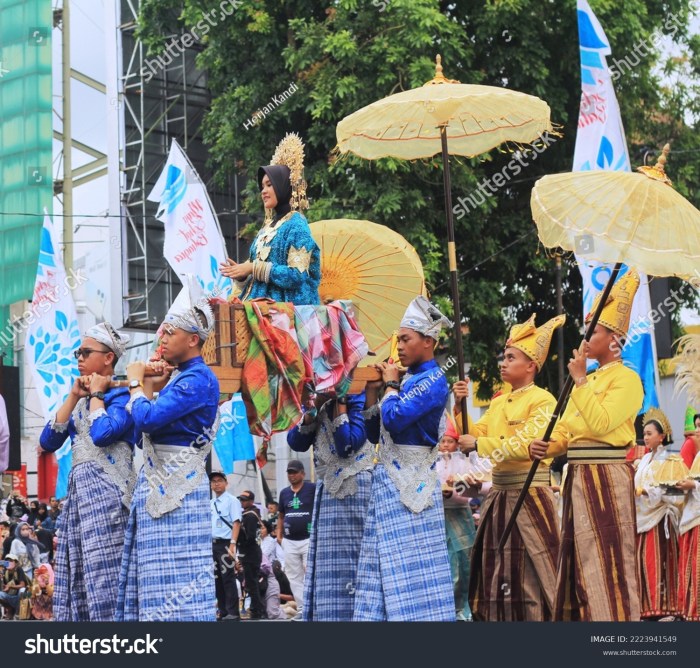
pixel 160 98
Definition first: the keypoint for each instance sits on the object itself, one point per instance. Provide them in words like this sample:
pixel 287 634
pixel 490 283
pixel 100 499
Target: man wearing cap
pixel 296 504
pixel 225 525
pixel 498 590
pixel 167 570
pixel 404 569
pixel 249 552
pixel 101 481
pixel 14 581
pixel 597 574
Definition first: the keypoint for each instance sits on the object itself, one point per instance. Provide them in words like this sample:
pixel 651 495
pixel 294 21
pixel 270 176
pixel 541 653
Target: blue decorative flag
pixel 52 337
pixel 601 144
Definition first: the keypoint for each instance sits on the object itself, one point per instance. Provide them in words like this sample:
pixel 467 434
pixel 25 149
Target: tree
pixel 343 55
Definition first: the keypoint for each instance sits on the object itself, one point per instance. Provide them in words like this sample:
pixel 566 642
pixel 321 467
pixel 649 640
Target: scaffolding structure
pixel 159 98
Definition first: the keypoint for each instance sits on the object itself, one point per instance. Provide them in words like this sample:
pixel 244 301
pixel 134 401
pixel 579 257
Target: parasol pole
pixel 452 257
pixel 559 408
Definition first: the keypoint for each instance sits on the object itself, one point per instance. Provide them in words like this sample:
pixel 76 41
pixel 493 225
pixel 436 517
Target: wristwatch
pixel 133 384
pixel 394 384
pixel 97 395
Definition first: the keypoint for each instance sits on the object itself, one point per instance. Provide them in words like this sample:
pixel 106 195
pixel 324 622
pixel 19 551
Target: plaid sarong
pixel 273 373
pixel 90 544
pixel 334 552
pixel 404 570
pixel 167 571
pixel 331 345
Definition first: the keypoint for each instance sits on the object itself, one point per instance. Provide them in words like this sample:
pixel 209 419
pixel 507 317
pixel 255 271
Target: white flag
pixel 193 240
pixel 52 337
pixel 601 144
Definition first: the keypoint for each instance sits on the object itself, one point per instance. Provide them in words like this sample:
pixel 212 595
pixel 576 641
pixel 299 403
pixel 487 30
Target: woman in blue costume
pixel 342 432
pixel 284 263
pixel 100 484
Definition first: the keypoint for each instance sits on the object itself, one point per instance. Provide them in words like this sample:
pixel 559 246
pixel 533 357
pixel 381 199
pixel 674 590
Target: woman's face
pixel 267 193
pixel 25 531
pixel 34 505
pixel 263 531
pixel 652 437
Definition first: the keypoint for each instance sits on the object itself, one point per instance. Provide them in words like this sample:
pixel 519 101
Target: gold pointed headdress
pixel 617 311
pixel 290 153
pixel 659 416
pixel 534 341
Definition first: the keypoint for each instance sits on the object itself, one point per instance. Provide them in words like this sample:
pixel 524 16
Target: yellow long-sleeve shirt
pixel 511 422
pixel 602 410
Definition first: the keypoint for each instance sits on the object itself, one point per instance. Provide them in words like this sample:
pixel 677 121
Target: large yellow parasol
pixel 635 218
pixel 373 266
pixel 448 117
pixel 620 217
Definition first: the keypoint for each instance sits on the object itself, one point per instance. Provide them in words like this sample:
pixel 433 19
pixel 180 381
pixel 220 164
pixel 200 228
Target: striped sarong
pixel 167 571
pixel 597 575
pixel 460 532
pixel 689 574
pixel 90 544
pixel 334 552
pixel 518 583
pixel 657 557
pixel 404 571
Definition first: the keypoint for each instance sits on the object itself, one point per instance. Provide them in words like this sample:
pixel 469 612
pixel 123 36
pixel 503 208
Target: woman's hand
pixel 686 485
pixel 460 390
pixel 236 271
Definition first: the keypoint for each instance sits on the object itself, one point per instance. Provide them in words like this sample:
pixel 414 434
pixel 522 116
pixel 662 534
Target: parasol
pixel 448 117
pixel 620 217
pixel 374 267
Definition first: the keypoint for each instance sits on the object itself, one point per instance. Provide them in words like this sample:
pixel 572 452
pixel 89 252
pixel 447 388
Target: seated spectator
pixel 271 549
pixel 270 590
pixel 14 582
pixel 42 593
pixel 28 550
pixel 475 505
pixel 33 511
pixel 16 506
pixel 47 522
pixel 289 605
pixel 5 538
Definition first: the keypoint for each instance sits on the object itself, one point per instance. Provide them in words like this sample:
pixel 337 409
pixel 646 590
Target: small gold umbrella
pixel 448 117
pixel 619 217
pixel 374 267
pixel 635 218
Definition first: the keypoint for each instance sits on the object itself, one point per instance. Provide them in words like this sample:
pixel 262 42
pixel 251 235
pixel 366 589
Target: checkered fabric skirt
pixel 167 571
pixel 90 544
pixel 404 570
pixel 334 552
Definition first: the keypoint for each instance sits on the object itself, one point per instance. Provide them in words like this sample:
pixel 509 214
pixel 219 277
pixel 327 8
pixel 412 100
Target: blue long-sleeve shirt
pixel 115 424
pixel 185 409
pixel 288 284
pixel 348 437
pixel 412 416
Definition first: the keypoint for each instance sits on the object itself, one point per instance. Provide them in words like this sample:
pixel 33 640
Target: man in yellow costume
pixel 597 577
pixel 518 583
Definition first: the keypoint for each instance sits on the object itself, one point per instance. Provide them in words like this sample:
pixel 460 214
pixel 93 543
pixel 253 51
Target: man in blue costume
pixel 167 569
pixel 284 262
pixel 343 457
pixel 100 484
pixel 404 568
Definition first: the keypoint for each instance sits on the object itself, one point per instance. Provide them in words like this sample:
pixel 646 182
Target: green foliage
pixel 346 54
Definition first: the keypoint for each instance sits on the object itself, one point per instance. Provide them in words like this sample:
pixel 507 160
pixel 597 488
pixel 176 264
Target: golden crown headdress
pixel 534 341
pixel 659 416
pixel 290 153
pixel 617 311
